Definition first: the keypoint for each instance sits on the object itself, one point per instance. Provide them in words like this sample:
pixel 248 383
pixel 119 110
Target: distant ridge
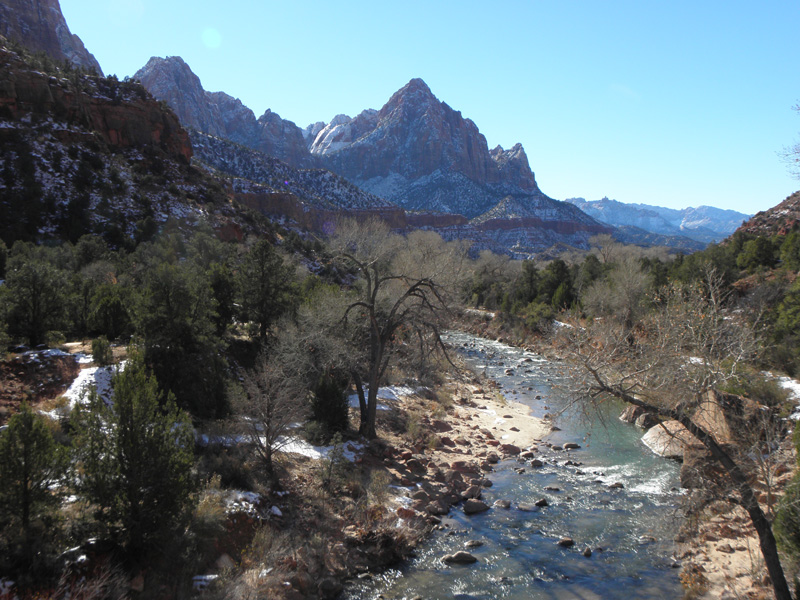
pixel 704 224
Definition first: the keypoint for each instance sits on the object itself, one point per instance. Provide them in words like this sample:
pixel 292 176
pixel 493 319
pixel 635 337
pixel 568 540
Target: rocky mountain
pixel 170 79
pixel 780 219
pixel 415 151
pixel 423 155
pixel 39 25
pixel 703 224
pixel 87 154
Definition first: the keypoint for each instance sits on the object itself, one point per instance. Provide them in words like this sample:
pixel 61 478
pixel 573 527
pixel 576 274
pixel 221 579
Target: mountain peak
pixel 417 84
pixel 40 26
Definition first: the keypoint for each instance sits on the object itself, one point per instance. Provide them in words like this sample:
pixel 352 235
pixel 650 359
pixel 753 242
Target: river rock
pixel 487 483
pixel 474 544
pixel 587 552
pixel 437 507
pixel 571 446
pixel 502 504
pixel 510 449
pixel 440 426
pixel 460 558
pixel 526 507
pixel 616 486
pixel 631 413
pixel 566 542
pixel 415 466
pixel 542 502
pixel 472 492
pixel 464 467
pixel 473 506
pixel 492 458
pixel 647 420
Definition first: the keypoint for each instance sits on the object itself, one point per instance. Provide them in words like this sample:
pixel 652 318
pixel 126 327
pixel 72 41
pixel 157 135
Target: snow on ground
pixel 390 393
pixel 793 387
pixel 351 450
pixel 92 377
pixel 36 355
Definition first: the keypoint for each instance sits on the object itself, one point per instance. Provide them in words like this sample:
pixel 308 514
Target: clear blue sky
pixel 676 103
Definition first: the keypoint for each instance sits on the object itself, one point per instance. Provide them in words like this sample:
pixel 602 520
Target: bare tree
pixel 401 293
pixel 791 154
pixel 274 401
pixel 685 348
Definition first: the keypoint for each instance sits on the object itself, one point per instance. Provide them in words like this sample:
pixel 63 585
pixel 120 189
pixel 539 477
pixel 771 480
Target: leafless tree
pixel 791 154
pixel 686 347
pixel 402 291
pixel 274 400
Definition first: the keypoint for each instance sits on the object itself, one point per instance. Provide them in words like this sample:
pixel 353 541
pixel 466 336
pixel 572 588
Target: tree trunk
pixel 362 403
pixel 763 527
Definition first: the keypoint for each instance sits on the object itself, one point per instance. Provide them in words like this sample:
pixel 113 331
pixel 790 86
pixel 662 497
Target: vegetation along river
pixel 520 558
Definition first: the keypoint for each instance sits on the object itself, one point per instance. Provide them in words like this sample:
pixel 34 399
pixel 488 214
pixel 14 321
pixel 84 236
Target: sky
pixel 674 104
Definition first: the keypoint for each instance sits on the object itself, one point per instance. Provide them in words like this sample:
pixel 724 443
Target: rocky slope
pixel 86 154
pixel 39 25
pixel 780 219
pixel 170 79
pixel 704 223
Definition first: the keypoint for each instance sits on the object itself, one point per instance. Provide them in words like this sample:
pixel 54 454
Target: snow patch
pixel 351 450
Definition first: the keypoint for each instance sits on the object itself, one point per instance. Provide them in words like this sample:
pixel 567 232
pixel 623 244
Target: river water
pixel 629 529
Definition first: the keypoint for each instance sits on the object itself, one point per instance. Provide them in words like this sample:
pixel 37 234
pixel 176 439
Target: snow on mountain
pixel 704 223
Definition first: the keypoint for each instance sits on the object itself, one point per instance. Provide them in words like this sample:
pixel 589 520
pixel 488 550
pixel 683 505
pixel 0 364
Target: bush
pixel 136 458
pixel 101 351
pixel 787 520
pixel 329 406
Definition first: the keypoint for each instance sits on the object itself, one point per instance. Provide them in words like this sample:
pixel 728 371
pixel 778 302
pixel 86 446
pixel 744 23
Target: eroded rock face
pixel 170 79
pixel 122 114
pixel 39 25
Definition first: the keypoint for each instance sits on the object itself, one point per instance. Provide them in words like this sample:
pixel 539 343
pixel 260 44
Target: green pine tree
pixel 136 459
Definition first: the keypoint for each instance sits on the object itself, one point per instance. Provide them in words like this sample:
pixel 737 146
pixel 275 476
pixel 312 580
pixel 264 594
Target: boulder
pixel 472 492
pixel 474 506
pixel 460 558
pixel 510 449
pixel 647 420
pixel 440 426
pixel 668 439
pixel 464 467
pixel 631 413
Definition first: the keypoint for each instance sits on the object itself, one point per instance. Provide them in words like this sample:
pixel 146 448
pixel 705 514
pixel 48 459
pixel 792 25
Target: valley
pixel 371 357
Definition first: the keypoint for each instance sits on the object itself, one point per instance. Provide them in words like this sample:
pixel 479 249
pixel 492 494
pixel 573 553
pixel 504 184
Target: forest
pixel 248 340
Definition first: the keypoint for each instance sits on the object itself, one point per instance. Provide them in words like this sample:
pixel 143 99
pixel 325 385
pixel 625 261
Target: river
pixel 629 530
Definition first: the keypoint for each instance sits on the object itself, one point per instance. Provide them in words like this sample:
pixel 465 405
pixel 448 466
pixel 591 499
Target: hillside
pixel 88 154
pixel 780 219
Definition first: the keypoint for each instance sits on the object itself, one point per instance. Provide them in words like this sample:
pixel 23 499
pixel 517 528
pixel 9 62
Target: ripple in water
pixel 629 530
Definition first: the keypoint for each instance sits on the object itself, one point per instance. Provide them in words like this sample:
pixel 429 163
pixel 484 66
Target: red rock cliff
pixel 121 114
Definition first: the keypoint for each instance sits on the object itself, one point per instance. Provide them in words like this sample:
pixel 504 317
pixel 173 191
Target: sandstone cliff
pixel 39 25
pixel 122 114
pixel 170 79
